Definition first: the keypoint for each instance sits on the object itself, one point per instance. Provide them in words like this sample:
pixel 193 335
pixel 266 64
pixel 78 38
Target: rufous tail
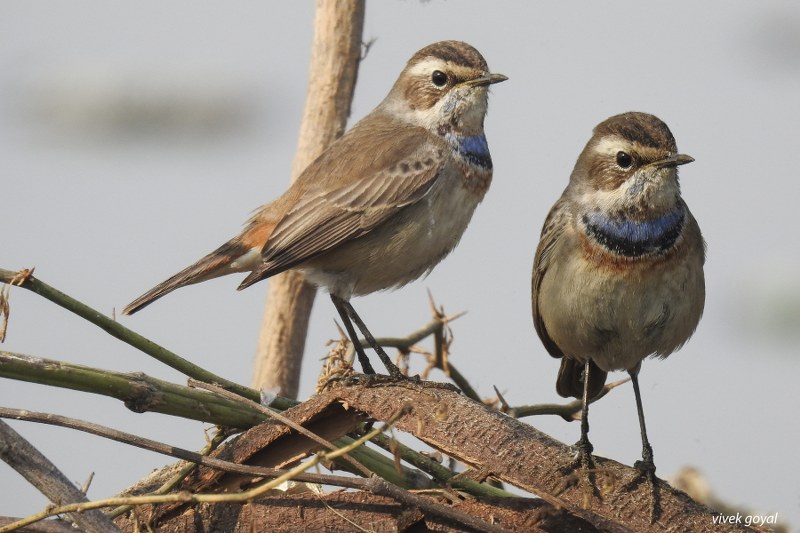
pixel 217 263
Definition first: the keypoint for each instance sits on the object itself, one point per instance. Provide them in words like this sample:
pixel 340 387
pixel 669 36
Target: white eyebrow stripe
pixel 428 65
pixel 612 144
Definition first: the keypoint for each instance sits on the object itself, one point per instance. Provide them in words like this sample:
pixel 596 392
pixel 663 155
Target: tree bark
pixel 335 56
pixel 355 512
pixel 491 443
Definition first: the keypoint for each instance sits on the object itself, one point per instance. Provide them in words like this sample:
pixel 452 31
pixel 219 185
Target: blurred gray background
pixel 136 137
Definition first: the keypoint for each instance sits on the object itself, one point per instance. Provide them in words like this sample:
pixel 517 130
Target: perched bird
pixel 384 203
pixel 618 273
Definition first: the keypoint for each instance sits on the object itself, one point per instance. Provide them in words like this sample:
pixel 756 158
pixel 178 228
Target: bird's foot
pixel 379 379
pixel 646 472
pixel 580 471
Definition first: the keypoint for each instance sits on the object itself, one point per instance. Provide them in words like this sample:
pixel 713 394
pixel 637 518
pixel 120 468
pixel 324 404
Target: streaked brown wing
pixel 399 169
pixel 551 232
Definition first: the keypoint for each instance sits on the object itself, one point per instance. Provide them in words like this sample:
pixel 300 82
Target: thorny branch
pixel 568 411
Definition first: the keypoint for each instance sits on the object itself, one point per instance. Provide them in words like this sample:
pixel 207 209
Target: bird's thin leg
pixel 584 458
pixel 585 447
pixel 394 372
pixel 366 366
pixel 646 466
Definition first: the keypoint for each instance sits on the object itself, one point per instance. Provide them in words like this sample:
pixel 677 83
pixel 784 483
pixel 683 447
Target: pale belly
pixel 618 317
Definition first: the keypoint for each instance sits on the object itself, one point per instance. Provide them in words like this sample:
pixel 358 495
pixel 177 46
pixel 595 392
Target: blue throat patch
pixel 474 149
pixel 633 238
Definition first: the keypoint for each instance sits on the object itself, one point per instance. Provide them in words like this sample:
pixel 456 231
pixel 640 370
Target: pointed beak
pixel 487 79
pixel 673 161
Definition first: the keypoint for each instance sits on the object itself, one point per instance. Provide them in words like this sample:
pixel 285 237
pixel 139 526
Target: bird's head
pixel 444 87
pixel 629 168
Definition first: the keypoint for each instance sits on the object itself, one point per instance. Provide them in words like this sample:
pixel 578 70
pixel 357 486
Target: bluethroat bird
pixel 383 204
pixel 618 273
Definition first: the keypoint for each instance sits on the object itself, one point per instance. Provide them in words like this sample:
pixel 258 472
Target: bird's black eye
pixel 439 78
pixel 624 160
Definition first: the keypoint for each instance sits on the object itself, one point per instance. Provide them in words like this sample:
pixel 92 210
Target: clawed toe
pixel 646 472
pixel 579 471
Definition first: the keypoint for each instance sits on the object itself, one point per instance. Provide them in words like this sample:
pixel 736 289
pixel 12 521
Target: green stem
pixel 138 391
pixel 115 329
pixel 142 393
